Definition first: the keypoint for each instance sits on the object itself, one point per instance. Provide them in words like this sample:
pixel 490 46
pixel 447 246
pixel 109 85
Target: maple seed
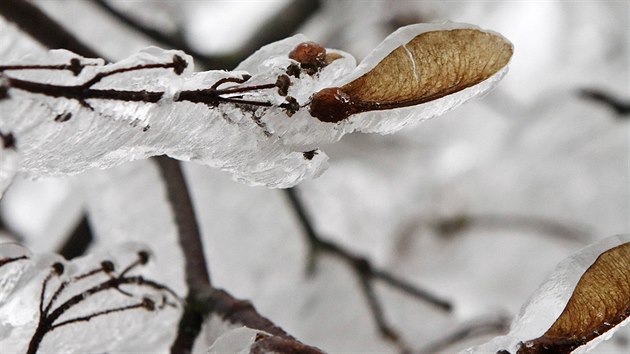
pixel 310 55
pixel 331 105
pixel 599 302
pixel 428 67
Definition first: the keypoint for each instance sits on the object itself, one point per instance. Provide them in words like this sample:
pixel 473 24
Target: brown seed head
pixel 332 105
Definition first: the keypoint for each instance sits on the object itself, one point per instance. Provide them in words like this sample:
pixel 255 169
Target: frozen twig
pixel 363 269
pixel 50 310
pixel 243 313
pixel 5 261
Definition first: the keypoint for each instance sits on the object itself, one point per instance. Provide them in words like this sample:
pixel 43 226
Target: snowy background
pixel 536 171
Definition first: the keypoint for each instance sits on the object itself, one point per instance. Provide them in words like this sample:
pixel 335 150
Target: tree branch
pixel 493 325
pixel 42 28
pixel 281 25
pixel 363 269
pixel 162 38
pixel 619 106
pixel 197 275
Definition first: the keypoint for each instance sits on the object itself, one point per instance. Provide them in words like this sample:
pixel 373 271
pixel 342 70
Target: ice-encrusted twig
pixel 50 311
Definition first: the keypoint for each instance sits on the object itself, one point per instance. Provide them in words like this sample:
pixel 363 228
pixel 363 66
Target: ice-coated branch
pixel 196 270
pixel 50 311
pixel 238 313
pixel 83 92
pixel 8 260
pixel 286 100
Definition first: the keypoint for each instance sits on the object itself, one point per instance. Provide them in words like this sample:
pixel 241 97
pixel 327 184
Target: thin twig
pixel 453 225
pixel 279 26
pixel 486 326
pixel 619 106
pixel 30 19
pixel 243 313
pixel 363 269
pixel 162 38
pixel 49 315
pixel 5 261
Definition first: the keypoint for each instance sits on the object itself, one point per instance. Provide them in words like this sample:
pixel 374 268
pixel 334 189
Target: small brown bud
pixel 144 257
pixel 107 266
pixel 283 82
pixel 64 117
pixel 148 304
pixel 179 64
pixel 75 66
pixel 58 268
pixel 310 55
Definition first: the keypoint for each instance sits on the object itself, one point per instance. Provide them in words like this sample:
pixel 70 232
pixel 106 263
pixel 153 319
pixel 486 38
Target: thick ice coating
pixel 582 303
pixel 68 113
pixel 113 301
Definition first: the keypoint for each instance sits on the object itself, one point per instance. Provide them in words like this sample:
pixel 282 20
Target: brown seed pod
pixel 430 66
pixel 332 105
pixel 600 301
